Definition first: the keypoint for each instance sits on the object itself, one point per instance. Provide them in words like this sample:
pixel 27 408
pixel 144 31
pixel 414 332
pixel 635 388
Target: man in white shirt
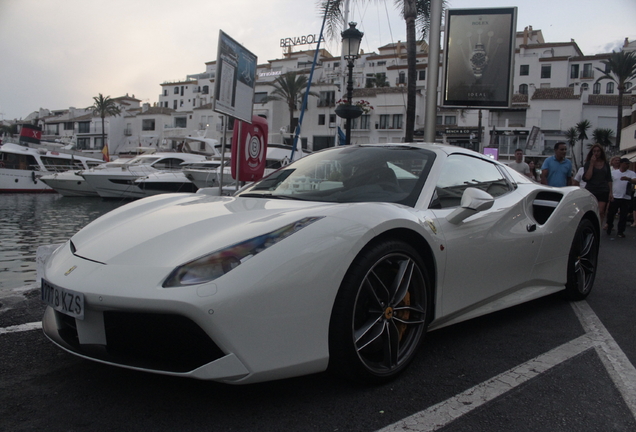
pixel 519 165
pixel 620 201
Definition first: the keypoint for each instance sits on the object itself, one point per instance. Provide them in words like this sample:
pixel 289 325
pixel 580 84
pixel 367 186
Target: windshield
pixel 142 160
pixel 351 174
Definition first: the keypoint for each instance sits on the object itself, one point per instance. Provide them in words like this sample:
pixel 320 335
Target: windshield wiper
pixel 269 195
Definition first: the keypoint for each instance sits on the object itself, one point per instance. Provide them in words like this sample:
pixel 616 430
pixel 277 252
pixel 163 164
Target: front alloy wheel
pixel 381 313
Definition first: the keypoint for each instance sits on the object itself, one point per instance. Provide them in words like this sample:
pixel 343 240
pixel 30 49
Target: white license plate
pixel 63 300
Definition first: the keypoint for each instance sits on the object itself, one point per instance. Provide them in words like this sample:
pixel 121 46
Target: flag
pixel 105 153
pixel 342 138
pixel 30 134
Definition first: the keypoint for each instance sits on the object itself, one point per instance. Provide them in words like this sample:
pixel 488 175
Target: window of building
pixel 180 122
pixel 524 69
pixel 628 85
pixel 523 89
pixel 450 120
pixel 148 124
pixel 574 71
pixel 546 71
pixel 69 125
pixel 83 143
pixel 336 64
pixel 585 87
pixel 83 127
pixel 365 120
pixel 327 99
pixel 587 71
pixel 174 104
pixel 181 103
pixel 205 89
pixel 384 121
pixel 165 92
pixel 181 90
pixel 381 63
pixel 260 97
pixel 321 119
pixel 421 75
pixel 401 78
pixel 439 120
pixel 596 89
pixel 98 143
pixel 609 88
pixel 397 121
pixel 176 90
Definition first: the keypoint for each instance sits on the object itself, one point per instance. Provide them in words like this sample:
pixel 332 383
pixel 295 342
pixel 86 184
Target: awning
pixel 631 156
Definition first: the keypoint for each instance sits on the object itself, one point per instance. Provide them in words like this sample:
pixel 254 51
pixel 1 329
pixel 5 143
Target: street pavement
pixel 548 365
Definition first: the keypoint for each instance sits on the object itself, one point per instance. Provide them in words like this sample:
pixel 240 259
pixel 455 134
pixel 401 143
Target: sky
pixel 57 54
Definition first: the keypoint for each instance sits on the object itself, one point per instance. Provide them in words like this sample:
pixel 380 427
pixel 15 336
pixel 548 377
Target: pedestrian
pixel 598 178
pixel 623 180
pixel 533 170
pixel 519 165
pixel 615 162
pixel 578 179
pixel 557 170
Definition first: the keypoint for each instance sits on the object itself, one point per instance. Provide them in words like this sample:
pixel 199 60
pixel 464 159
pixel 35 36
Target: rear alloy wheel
pixel 582 261
pixel 380 315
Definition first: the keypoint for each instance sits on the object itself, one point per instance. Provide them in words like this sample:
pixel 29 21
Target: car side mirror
pixel 473 201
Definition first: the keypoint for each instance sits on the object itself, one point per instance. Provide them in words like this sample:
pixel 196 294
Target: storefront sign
pixel 300 40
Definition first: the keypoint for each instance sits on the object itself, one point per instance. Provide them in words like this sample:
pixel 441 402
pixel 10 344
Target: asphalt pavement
pixel 547 365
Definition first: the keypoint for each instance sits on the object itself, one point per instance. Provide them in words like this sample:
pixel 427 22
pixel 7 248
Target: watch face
pixel 478 59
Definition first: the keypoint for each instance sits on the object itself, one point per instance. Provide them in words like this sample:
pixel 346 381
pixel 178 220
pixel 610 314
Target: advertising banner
pixel 249 149
pixel 234 81
pixel 478 57
pixel 30 134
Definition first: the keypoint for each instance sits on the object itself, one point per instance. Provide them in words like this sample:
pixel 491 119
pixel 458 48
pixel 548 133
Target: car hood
pixel 170 229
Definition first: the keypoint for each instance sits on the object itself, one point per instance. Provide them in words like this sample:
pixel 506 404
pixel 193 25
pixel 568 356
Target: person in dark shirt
pixel 598 178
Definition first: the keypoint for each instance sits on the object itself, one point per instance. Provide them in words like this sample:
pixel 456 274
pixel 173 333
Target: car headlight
pixel 212 266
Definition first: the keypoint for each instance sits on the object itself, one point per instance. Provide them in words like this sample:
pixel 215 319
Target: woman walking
pixel 598 178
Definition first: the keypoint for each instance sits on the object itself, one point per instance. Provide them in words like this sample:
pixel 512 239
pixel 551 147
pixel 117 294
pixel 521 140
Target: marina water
pixel 33 219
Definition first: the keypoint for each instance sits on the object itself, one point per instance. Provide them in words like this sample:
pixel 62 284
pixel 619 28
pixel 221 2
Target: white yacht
pixel 207 174
pixel 21 167
pixel 119 181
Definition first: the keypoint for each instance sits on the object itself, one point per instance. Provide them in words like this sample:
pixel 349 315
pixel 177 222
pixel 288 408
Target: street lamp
pixel 351 39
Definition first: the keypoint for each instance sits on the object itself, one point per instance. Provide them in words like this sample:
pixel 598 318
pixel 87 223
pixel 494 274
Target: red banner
pixel 30 134
pixel 250 148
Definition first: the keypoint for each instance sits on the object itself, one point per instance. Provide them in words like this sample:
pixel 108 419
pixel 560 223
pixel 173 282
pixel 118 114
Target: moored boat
pixel 21 167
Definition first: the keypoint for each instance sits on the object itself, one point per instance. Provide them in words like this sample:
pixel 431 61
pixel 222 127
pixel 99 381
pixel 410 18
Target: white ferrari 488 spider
pixel 341 261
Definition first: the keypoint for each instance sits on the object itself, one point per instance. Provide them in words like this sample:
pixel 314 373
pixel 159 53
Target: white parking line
pixel 614 359
pixel 21 328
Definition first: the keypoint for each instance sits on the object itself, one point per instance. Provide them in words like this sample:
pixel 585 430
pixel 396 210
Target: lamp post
pixel 351 39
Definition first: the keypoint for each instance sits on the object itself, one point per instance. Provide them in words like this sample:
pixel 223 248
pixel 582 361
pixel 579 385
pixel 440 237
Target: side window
pixel 460 172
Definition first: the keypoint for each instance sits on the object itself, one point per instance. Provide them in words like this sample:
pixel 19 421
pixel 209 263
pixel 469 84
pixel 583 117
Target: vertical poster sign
pixel 235 77
pixel 479 53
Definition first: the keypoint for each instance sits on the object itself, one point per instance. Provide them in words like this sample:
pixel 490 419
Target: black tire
pixel 381 313
pixel 582 262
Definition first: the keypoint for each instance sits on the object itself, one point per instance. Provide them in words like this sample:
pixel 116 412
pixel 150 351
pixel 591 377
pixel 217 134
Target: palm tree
pixel 581 128
pixel 416 13
pixel 603 136
pixel 103 107
pixel 289 88
pixel 572 136
pixel 620 68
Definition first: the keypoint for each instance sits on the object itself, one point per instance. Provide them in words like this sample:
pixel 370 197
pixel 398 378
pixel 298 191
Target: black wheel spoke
pixel 369 332
pixel 392 345
pixel 402 281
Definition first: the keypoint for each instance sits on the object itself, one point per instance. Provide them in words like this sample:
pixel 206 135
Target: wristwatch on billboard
pixel 478 60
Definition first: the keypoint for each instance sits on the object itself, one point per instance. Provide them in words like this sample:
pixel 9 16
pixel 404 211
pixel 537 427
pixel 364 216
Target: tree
pixel 289 88
pixel 416 13
pixel 571 136
pixel 378 80
pixel 603 137
pixel 103 107
pixel 581 129
pixel 620 68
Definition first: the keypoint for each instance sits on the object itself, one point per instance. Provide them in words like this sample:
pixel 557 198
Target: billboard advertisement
pixel 235 78
pixel 479 52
